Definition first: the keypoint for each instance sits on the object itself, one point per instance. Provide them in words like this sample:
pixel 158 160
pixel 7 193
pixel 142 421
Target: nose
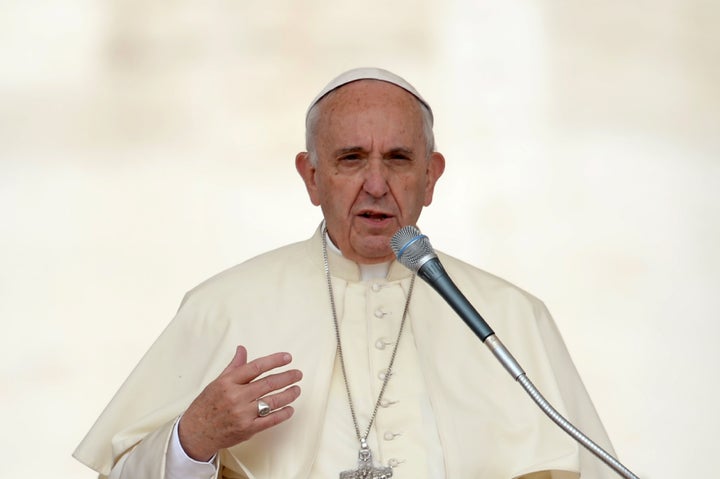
pixel 376 178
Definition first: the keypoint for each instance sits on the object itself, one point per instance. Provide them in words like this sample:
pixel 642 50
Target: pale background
pixel 147 145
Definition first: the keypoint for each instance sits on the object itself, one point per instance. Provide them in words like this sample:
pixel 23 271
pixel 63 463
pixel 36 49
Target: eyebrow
pixel 350 149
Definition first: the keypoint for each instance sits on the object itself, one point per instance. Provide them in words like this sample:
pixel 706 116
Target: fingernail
pixel 287 357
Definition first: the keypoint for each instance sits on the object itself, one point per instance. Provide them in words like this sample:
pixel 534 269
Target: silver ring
pixel 263 408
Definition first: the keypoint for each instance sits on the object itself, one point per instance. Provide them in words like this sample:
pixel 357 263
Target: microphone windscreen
pixel 411 247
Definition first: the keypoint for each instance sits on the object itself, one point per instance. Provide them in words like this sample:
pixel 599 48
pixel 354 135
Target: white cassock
pixel 450 408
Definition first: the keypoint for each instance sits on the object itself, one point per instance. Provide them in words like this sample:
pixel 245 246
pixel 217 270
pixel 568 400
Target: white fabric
pixel 404 434
pixel 178 465
pixel 487 427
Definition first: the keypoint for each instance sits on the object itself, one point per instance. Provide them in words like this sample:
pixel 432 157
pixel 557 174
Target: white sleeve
pixel 178 465
pixel 160 455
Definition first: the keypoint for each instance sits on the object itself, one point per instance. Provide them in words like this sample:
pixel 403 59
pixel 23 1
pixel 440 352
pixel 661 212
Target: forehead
pixel 361 94
pixel 369 103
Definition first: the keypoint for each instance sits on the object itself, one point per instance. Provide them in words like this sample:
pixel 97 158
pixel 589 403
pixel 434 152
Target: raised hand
pixel 226 411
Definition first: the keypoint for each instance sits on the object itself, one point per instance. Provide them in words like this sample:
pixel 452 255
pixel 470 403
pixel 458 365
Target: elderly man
pixel 393 384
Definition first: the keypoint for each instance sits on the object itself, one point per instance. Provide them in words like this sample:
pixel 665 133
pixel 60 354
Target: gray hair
pixel 313 117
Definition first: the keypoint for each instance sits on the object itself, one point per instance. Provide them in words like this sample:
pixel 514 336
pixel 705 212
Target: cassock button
pixel 387 402
pixel 389 435
pixel 376 287
pixel 395 462
pixel 381 375
pixel 379 313
pixel 381 343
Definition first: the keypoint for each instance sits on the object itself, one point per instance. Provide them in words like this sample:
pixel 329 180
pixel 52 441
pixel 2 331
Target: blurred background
pixel 145 146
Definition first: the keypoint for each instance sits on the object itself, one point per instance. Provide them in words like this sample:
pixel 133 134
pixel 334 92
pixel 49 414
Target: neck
pixel 367 271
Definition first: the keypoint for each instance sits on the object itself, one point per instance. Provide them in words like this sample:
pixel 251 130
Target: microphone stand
pixel 435 275
pixel 414 251
pixel 513 367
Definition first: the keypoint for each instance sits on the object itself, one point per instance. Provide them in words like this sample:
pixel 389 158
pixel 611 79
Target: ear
pixel 307 171
pixel 435 169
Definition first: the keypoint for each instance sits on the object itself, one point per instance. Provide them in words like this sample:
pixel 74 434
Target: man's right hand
pixel 226 413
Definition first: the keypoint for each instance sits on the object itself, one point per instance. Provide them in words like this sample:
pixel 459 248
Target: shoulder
pixel 474 281
pixel 510 310
pixel 288 262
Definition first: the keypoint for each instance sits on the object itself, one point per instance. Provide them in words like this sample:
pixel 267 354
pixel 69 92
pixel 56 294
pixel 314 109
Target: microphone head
pixel 412 248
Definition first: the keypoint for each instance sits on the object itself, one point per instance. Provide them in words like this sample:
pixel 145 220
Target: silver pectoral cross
pixel 365 469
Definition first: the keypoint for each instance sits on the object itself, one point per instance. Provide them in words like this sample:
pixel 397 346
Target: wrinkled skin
pixel 225 412
pixel 373 173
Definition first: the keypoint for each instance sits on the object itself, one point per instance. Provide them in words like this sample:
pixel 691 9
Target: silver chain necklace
pixel 365 469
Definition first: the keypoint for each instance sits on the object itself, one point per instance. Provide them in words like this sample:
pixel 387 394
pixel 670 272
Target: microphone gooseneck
pixel 414 251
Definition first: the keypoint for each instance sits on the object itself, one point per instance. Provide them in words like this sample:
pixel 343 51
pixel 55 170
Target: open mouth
pixel 374 216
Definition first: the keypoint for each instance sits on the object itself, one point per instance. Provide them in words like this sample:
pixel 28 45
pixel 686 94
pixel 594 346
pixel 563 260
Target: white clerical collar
pixel 367 271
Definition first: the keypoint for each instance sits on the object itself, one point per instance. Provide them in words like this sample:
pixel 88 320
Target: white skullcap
pixel 369 74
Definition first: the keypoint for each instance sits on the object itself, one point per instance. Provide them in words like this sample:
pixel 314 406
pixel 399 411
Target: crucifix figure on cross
pixel 365 469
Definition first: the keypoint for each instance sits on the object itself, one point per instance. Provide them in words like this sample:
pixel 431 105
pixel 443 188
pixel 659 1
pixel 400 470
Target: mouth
pixel 374 215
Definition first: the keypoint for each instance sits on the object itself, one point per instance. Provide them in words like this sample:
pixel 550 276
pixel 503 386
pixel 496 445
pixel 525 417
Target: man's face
pixel 373 173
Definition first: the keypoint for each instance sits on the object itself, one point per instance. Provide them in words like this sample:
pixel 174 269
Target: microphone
pixel 414 251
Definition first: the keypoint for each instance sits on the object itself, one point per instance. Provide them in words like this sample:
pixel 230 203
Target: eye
pixel 350 161
pixel 399 155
